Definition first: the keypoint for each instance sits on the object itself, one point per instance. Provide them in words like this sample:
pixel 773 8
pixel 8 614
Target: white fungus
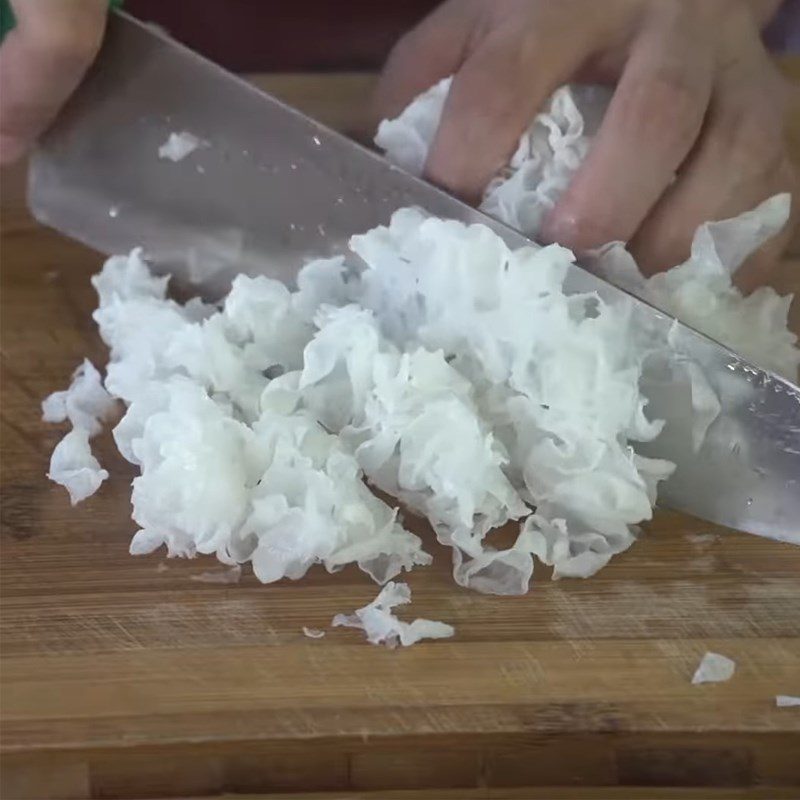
pixel 380 626
pixel 86 404
pixel 73 466
pixel 787 701
pixel 452 373
pixel 714 668
pixel 313 633
pixel 179 145
pixel 701 292
pixel 253 425
pixel 556 378
pixel 411 420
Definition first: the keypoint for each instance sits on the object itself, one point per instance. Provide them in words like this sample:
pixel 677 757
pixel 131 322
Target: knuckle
pixel 783 176
pixel 668 105
pixel 583 227
pixel 754 140
pixel 675 90
pixel 785 95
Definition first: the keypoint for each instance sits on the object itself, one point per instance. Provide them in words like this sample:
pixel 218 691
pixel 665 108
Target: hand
pixel 695 130
pixel 42 61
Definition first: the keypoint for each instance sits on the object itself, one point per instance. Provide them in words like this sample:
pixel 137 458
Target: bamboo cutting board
pixel 126 677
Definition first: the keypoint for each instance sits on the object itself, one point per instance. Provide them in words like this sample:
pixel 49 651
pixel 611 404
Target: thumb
pixel 41 63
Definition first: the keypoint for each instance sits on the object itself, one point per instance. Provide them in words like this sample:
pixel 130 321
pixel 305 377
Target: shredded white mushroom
pixel 86 404
pixel 701 293
pixel 786 701
pixel 555 376
pixel 714 668
pixel 380 626
pixel 74 467
pixel 453 373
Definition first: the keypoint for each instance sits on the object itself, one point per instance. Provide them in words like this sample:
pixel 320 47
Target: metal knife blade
pixel 271 188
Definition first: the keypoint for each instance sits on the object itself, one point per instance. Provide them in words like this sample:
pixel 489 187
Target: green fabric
pixel 8 21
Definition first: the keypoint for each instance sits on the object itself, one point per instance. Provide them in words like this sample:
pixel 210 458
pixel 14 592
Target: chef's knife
pixel 268 188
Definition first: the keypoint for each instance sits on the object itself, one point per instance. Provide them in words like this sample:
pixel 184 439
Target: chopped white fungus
pixel 73 466
pixel 313 633
pixel 412 422
pixel 714 668
pixel 382 627
pixel 705 403
pixel 700 292
pixel 448 371
pixel 86 404
pixel 179 145
pixel 469 425
pixel 786 701
pixel 556 378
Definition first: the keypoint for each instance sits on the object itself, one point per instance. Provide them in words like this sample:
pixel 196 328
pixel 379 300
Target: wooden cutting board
pixel 128 677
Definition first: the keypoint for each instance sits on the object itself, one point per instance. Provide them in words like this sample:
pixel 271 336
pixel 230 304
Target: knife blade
pixel 269 188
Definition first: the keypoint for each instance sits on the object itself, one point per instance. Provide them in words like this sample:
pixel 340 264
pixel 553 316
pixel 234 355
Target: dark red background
pixel 320 35
pixel 269 35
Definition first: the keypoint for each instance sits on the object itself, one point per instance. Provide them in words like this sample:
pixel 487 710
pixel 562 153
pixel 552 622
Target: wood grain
pixel 532 793
pixel 122 677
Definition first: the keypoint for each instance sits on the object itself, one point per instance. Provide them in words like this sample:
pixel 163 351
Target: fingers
pixel 651 125
pixel 433 50
pixel 741 160
pixel 493 99
pixel 41 63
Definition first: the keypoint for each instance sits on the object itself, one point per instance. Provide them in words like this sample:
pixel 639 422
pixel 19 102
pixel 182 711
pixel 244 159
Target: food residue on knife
pixel 180 145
